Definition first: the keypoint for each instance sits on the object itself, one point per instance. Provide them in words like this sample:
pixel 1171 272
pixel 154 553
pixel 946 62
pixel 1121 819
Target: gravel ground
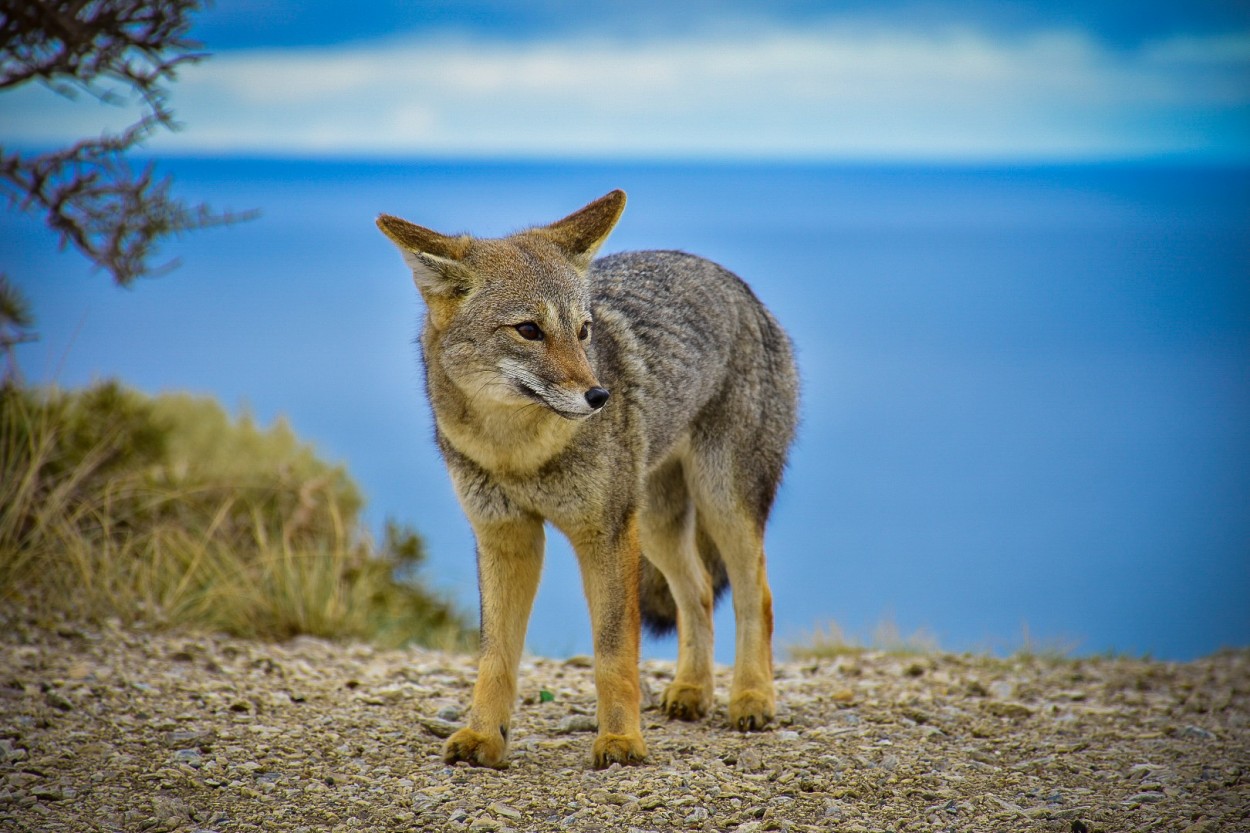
pixel 104 729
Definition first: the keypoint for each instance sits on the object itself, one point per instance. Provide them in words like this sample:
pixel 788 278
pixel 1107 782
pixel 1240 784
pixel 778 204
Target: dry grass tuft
pixel 164 510
pixel 828 640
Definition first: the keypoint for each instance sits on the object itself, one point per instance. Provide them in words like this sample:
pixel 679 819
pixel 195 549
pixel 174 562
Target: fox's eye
pixel 584 332
pixel 530 331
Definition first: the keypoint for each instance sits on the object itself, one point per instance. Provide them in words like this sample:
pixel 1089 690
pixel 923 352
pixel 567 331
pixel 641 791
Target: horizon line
pixel 1179 159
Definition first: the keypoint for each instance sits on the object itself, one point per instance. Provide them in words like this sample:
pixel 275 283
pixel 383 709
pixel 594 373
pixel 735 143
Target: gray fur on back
pixel 696 355
pixel 692 347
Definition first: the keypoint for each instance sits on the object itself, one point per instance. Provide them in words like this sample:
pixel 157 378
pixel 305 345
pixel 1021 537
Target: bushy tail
pixel 659 610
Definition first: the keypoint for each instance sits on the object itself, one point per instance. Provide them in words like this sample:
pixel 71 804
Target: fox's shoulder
pixel 649 259
pixel 645 282
pixel 669 267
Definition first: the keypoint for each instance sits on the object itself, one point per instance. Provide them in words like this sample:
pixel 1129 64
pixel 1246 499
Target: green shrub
pixel 165 509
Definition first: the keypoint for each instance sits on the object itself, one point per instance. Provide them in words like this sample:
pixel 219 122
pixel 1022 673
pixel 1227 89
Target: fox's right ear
pixel 581 233
pixel 435 259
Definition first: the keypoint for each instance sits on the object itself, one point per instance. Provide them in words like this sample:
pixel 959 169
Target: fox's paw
pixel 683 701
pixel 751 710
pixel 476 748
pixel 618 749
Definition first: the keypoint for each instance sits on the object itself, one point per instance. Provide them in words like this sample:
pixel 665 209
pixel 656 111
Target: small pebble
pixel 439 728
pixel 577 723
pixel 58 701
pixel 190 757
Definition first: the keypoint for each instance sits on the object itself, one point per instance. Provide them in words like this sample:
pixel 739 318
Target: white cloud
pixel 834 92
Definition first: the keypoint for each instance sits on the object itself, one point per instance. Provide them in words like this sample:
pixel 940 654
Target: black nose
pixel 596 397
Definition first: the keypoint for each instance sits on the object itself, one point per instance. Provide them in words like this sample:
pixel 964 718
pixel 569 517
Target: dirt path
pixel 111 730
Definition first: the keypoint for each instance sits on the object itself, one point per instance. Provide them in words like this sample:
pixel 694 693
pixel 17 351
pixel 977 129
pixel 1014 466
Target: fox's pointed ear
pixel 435 259
pixel 581 233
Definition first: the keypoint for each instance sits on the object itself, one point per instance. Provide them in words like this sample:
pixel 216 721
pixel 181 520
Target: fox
pixel 643 404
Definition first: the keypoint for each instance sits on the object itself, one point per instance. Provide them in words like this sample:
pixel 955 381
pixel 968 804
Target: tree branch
pixel 114 51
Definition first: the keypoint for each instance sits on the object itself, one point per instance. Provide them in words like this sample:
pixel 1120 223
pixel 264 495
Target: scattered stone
pixel 577 723
pixel 501 809
pixel 1012 710
pixel 383 696
pixel 186 738
pixel 57 700
pixel 10 752
pixel 750 760
pixel 49 793
pixel 190 757
pixel 698 815
pixel 439 728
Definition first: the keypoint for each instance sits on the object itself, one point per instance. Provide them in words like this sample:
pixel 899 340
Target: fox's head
pixel 509 319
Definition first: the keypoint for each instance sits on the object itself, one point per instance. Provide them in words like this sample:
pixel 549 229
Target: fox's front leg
pixel 509 562
pixel 610 564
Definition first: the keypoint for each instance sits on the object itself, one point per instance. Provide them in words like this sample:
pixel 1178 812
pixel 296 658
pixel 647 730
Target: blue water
pixel 1026 397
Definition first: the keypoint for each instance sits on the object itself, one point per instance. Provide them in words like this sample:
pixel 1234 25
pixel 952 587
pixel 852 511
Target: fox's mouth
pixel 531 394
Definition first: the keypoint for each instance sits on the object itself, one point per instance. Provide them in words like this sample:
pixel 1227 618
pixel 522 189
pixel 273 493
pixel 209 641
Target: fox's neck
pixel 503 439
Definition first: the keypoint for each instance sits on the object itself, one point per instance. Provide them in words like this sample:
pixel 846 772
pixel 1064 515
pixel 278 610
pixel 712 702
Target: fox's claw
pixel 750 711
pixel 476 748
pixel 618 749
pixel 683 701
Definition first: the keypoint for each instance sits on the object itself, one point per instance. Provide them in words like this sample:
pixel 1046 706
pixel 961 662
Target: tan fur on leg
pixel 509 564
pixel 610 578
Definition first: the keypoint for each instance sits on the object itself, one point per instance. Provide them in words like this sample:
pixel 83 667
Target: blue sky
pixel 858 81
pixel 235 24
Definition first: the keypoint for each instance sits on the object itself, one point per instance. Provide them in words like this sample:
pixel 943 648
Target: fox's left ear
pixel 581 233
pixel 435 259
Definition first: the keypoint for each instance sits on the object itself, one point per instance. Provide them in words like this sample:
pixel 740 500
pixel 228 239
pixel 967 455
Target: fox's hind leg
pixel 667 526
pixel 739 535
pixel 752 699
